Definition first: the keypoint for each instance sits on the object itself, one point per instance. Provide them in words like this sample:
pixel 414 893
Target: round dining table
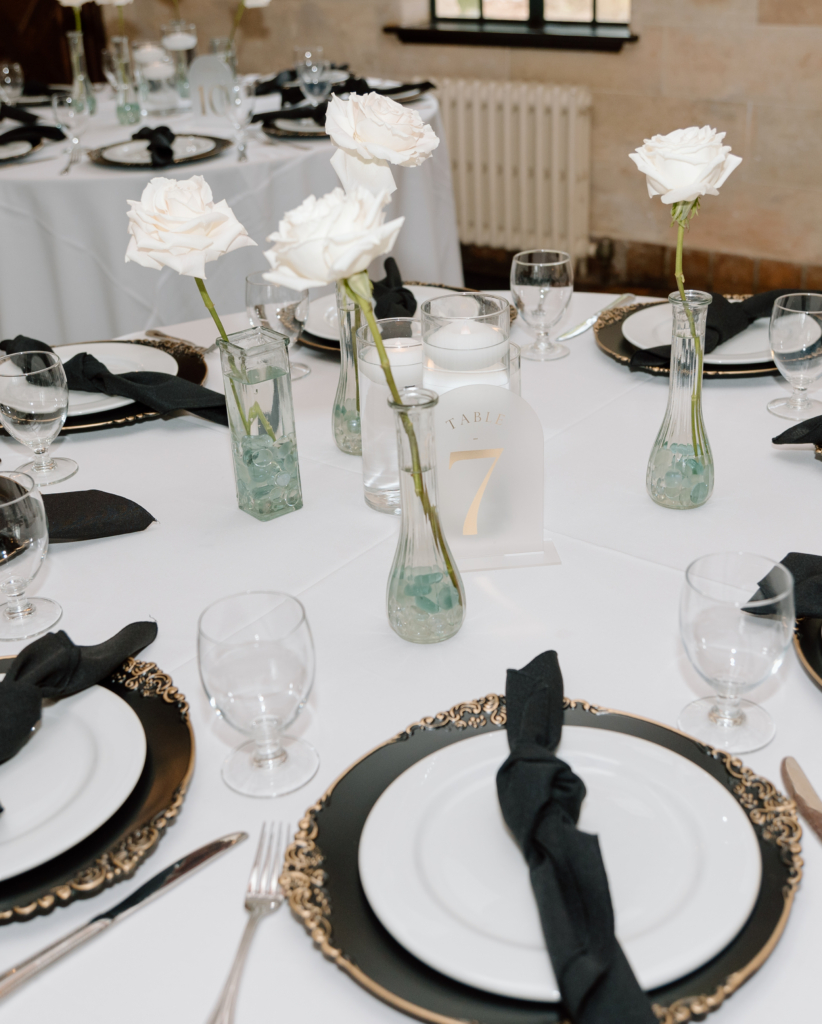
pixel 609 609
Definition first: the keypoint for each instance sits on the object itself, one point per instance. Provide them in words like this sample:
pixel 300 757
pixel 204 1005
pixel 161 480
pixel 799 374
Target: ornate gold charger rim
pixel 116 851
pixel 807 640
pixel 22 156
pixel 96 155
pixel 773 816
pixel 621 350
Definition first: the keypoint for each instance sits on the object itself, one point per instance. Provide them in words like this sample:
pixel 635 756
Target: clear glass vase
pixel 426 598
pixel 261 420
pixel 180 39
pixel 345 421
pixel 128 101
pixel 681 468
pixel 80 82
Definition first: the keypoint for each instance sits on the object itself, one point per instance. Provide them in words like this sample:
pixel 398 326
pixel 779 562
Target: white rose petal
pixel 330 238
pixel 375 175
pixel 687 164
pixel 177 224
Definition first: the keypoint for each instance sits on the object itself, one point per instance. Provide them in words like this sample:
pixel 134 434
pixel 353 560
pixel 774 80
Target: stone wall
pixel 752 69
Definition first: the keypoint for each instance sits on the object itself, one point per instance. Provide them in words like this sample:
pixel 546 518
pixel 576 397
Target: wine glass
pixel 279 308
pixel 796 345
pixel 256 659
pixel 24 541
pixel 11 81
pixel 239 109
pixel 33 409
pixel 736 618
pixel 313 74
pixel 71 113
pixel 542 283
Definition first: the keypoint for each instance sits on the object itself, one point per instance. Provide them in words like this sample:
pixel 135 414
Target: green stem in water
pixel 237 18
pixel 78 24
pixel 122 20
pixel 416 466
pixel 176 9
pixel 681 214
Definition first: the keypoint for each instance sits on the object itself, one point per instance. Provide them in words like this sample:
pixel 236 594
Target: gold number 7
pixel 469 527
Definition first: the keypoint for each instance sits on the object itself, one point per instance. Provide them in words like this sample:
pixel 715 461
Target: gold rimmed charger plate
pixel 807 639
pixel 221 145
pixel 321 876
pixel 280 133
pixel 21 156
pixel 115 851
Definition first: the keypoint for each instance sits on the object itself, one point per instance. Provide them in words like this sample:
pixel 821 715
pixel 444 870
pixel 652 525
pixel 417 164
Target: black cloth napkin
pixel 806 432
pixel 17 114
pixel 725 320
pixel 33 133
pixel 541 797
pixel 285 84
pixel 88 515
pixel 32 87
pixel 159 391
pixel 159 144
pixel 807 584
pixel 317 114
pixel 53 667
pixel 392 298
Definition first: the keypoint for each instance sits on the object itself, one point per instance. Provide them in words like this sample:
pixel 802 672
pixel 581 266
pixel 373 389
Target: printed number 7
pixel 469 527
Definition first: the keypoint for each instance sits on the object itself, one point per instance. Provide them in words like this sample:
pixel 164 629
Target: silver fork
pixel 74 156
pixel 263 896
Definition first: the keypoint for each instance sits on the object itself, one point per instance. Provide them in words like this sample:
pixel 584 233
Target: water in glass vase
pixel 679 479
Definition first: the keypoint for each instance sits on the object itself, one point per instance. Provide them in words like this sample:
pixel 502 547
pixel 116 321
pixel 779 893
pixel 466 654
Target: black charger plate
pixel 807 639
pixel 119 847
pixel 322 881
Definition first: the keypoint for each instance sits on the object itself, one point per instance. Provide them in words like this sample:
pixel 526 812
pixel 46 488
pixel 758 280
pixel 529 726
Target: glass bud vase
pixel 681 467
pixel 426 598
pixel 80 83
pixel 128 102
pixel 345 421
pixel 261 420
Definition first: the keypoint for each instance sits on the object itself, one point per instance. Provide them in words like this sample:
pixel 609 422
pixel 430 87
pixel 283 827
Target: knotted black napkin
pixel 89 515
pixel 53 667
pixel 392 298
pixel 806 432
pixel 317 114
pixel 159 144
pixel 725 320
pixel 32 87
pixel 159 391
pixel 807 584
pixel 33 133
pixel 541 797
pixel 17 114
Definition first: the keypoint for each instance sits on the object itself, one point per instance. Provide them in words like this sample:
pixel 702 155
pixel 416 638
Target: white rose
pixel 373 131
pixel 687 164
pixel 176 224
pixel 329 238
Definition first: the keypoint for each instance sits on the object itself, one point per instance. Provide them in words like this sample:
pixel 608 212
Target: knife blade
pixel 621 300
pixel 802 792
pixel 154 887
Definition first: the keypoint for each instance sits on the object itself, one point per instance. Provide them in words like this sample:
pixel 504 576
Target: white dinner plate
pixel 72 775
pixel 14 150
pixel 136 151
pixel 446 879
pixel 306 125
pixel 322 320
pixel 118 357
pixel 650 327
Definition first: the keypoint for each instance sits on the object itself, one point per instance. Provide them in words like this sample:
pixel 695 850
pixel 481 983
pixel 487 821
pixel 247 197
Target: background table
pixel 610 610
pixel 63 276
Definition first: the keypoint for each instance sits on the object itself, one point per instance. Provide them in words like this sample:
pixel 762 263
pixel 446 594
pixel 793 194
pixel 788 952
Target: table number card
pixel 490 479
pixel 209 77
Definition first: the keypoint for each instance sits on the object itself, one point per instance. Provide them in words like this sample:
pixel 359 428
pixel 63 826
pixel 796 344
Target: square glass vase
pixel 257 382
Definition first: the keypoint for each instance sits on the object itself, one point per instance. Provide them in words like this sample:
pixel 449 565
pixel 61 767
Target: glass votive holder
pixel 465 341
pixel 514 368
pixel 380 466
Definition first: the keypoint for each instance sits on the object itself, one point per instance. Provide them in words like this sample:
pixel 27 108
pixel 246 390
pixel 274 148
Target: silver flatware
pixel 153 333
pixel 159 884
pixel 70 161
pixel 621 300
pixel 263 896
pixel 803 794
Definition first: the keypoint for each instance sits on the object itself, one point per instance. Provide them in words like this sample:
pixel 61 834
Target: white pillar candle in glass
pixel 465 341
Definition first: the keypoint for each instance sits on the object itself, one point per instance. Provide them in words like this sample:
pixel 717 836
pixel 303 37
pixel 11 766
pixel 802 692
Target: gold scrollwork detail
pixel 147 679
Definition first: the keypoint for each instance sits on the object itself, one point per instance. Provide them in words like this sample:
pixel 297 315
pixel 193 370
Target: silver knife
pixel 621 300
pixel 802 792
pixel 161 883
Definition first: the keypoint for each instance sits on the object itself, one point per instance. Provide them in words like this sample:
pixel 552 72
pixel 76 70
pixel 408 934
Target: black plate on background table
pixel 119 847
pixel 20 156
pixel 807 639
pixel 97 155
pixel 610 339
pixel 322 882
pixel 273 132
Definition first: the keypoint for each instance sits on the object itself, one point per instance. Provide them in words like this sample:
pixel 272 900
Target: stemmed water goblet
pixel 313 74
pixel 796 345
pixel 736 619
pixel 24 541
pixel 542 283
pixel 33 409
pixel 71 113
pixel 256 660
pixel 279 308
pixel 239 109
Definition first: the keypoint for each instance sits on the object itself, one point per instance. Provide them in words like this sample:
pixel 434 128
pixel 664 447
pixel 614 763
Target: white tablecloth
pixel 610 610
pixel 62 272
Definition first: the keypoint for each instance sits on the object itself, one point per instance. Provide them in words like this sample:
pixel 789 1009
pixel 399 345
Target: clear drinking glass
pixel 256 659
pixel 796 346
pixel 514 368
pixel 465 340
pixel 542 283
pixel 280 309
pixel 24 541
pixel 313 74
pixel 11 80
pixel 180 39
pixel 33 408
pixel 239 109
pixel 71 113
pixel 736 619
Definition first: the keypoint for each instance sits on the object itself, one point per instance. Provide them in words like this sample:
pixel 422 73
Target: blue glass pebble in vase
pixel 261 420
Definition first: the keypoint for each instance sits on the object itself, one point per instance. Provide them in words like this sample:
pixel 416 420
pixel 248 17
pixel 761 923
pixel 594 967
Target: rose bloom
pixel 177 224
pixel 330 238
pixel 687 164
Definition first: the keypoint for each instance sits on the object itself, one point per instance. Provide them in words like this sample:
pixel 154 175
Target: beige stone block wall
pixel 752 69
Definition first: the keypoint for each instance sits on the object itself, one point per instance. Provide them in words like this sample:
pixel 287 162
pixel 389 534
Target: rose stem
pixel 122 20
pixel 237 18
pixel 78 25
pixel 416 468
pixel 680 214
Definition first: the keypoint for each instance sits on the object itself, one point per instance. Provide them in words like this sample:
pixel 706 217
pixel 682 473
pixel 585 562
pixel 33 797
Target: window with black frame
pixel 534 12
